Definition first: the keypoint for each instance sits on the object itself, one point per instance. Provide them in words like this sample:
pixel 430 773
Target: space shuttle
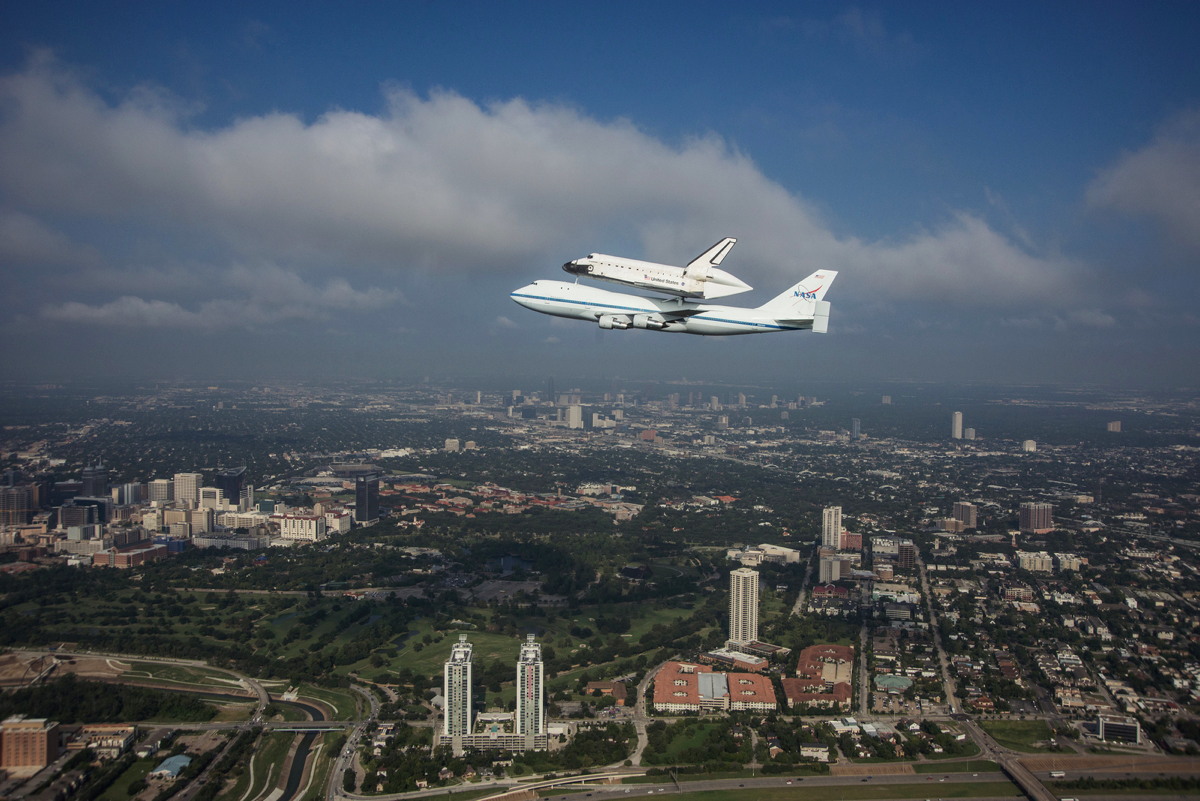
pixel 702 278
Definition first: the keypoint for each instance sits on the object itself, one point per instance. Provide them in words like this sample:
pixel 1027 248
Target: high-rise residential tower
pixel 531 715
pixel 456 689
pixel 831 527
pixel 743 606
pixel 966 513
pixel 1036 518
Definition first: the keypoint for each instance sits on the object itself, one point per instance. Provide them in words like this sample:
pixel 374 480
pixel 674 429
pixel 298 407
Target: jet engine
pixel 650 321
pixel 614 321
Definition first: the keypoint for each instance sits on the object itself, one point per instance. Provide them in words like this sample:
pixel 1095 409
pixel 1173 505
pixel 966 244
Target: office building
pixel 574 416
pixel 70 515
pixel 1115 426
pixel 531 715
pixel 306 528
pixel 17 504
pixel 231 482
pixel 366 499
pixel 855 429
pixel 956 425
pixel 743 606
pixel 1036 518
pixel 95 481
pixel 456 689
pixel 28 742
pixel 102 508
pixel 1118 728
pixel 831 527
pixel 830 569
pixel 451 446
pixel 211 498
pixel 906 555
pixel 161 490
pixel 966 513
pixel 187 488
pixel 1029 446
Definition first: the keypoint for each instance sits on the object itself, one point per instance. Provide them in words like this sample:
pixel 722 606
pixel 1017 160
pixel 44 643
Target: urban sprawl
pixel 314 592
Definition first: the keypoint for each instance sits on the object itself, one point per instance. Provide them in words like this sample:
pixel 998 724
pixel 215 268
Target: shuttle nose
pixel 578 267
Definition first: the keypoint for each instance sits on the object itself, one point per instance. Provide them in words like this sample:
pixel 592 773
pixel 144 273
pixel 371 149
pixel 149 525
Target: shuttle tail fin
pixel 699 266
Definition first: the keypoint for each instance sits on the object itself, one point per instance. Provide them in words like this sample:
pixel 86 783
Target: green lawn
pixel 857 792
pixel 344 703
pixel 118 790
pixel 974 766
pixel 263 770
pixel 1019 735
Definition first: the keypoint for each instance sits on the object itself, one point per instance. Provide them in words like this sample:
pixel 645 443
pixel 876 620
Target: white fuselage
pixel 704 281
pixel 621 310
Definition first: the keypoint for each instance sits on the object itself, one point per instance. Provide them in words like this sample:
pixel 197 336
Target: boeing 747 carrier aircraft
pixel 800 308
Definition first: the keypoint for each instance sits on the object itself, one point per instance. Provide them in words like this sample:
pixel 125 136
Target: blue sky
pixel 1010 192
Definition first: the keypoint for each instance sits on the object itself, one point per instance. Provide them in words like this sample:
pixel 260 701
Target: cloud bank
pixel 291 215
pixel 1161 181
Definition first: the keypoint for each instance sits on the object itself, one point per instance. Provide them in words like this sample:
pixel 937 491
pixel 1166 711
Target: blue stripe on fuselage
pixel 640 309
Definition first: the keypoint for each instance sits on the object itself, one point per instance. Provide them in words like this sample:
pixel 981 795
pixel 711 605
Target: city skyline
pixel 236 194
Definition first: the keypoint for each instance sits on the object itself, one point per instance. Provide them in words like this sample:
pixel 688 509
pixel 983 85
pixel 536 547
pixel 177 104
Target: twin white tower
pixel 458 722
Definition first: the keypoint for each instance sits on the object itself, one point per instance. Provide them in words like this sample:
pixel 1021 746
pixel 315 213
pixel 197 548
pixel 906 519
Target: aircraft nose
pixel 521 296
pixel 573 267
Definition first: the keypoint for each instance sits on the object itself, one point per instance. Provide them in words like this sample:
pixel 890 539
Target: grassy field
pixel 118 790
pixel 1019 735
pixel 324 763
pixel 974 766
pixel 856 792
pixel 343 703
pixel 184 675
pixel 264 767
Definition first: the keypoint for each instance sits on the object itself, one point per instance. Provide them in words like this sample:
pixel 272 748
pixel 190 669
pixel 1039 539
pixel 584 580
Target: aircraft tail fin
pixel 804 301
pixel 711 257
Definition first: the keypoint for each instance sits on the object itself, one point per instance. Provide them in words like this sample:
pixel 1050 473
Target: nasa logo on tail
pixel 808 294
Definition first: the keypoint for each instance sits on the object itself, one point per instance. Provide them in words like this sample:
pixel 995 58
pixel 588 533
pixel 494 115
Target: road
pixel 344 760
pixel 948 686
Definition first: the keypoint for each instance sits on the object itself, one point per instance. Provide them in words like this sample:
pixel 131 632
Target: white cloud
pixel 1160 181
pixel 25 240
pixel 127 312
pixel 262 295
pixel 442 183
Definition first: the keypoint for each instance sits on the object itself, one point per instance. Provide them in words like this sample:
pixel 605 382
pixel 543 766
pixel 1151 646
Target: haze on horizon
pixel 1008 193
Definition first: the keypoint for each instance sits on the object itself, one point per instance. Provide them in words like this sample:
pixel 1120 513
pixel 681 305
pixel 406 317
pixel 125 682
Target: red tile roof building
pixel 817 674
pixel 688 687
